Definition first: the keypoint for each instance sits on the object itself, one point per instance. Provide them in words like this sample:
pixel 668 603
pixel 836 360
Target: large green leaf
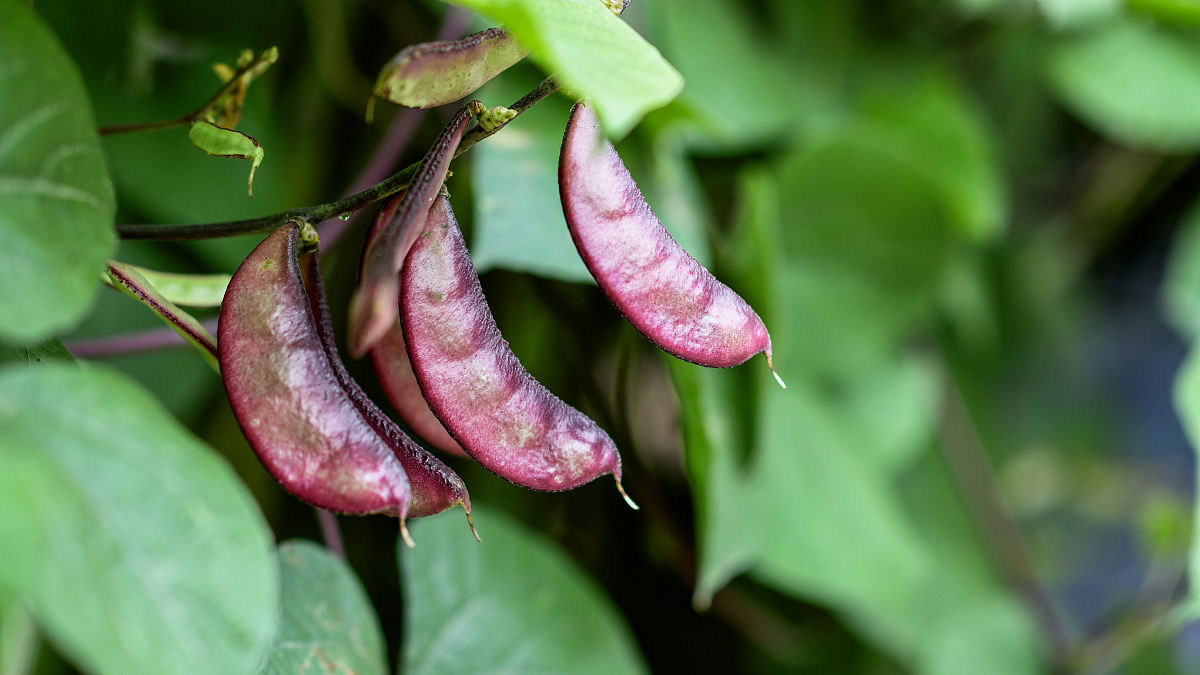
pixel 56 201
pixel 137 549
pixel 1134 82
pixel 732 72
pixel 328 624
pixel 592 54
pixel 513 604
pixel 519 223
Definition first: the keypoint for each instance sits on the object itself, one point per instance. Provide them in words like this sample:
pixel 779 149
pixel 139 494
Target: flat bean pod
pixel 443 71
pixel 395 373
pixel 374 306
pixel 668 296
pixel 287 399
pixel 484 397
pixel 435 486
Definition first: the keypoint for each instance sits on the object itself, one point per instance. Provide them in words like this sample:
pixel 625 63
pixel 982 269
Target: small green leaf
pixel 514 603
pixel 592 54
pixel 1135 83
pixel 132 283
pixel 138 549
pixel 221 142
pixel 188 290
pixel 328 623
pixel 56 201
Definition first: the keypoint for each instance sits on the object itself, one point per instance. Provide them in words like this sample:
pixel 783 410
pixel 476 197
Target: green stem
pixel 321 212
pixel 196 114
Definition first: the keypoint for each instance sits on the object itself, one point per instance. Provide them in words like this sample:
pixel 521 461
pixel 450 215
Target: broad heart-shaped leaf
pixel 513 604
pixel 135 546
pixel 592 53
pixel 56 201
pixel 327 623
pixel 1135 83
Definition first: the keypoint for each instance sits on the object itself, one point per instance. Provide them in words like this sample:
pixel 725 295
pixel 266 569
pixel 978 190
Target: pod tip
pixel 473 531
pixel 772 367
pixel 628 501
pixel 408 540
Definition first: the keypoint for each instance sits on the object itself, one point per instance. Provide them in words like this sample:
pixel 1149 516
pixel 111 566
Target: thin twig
pixel 194 115
pixel 322 212
pixel 963 451
pixel 153 339
pixel 331 533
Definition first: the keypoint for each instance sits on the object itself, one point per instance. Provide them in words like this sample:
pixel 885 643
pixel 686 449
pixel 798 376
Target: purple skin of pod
pixel 286 396
pixel 435 487
pixel 390 356
pixel 395 373
pixel 653 282
pixel 485 398
pixel 375 304
pixel 435 73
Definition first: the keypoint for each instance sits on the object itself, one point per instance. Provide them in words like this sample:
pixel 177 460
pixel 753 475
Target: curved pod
pixel 668 296
pixel 435 486
pixel 493 407
pixel 395 373
pixel 287 399
pixel 374 305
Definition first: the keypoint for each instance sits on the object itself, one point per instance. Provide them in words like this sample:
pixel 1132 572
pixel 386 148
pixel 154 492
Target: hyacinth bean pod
pixel 375 304
pixel 435 73
pixel 399 383
pixel 485 398
pixel 287 399
pixel 668 296
pixel 435 487
pixel 395 373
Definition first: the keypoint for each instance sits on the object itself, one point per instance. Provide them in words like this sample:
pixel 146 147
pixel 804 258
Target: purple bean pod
pixel 435 486
pixel 443 71
pixel 484 397
pixel 286 397
pixel 668 296
pixel 375 304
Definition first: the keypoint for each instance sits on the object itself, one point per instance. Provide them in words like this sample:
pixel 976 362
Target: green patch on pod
pixel 222 142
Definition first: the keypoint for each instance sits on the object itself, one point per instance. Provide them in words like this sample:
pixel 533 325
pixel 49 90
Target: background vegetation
pixel 971 226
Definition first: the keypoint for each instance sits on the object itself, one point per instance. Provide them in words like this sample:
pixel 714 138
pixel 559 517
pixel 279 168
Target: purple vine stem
pixel 150 340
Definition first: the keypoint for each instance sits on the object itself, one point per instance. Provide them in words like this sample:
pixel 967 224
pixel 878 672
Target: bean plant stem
pixel 331 532
pixel 194 115
pixel 394 142
pixel 322 212
pixel 140 341
pixel 968 463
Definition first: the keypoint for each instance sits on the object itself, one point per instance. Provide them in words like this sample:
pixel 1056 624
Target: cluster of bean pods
pixel 419 310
